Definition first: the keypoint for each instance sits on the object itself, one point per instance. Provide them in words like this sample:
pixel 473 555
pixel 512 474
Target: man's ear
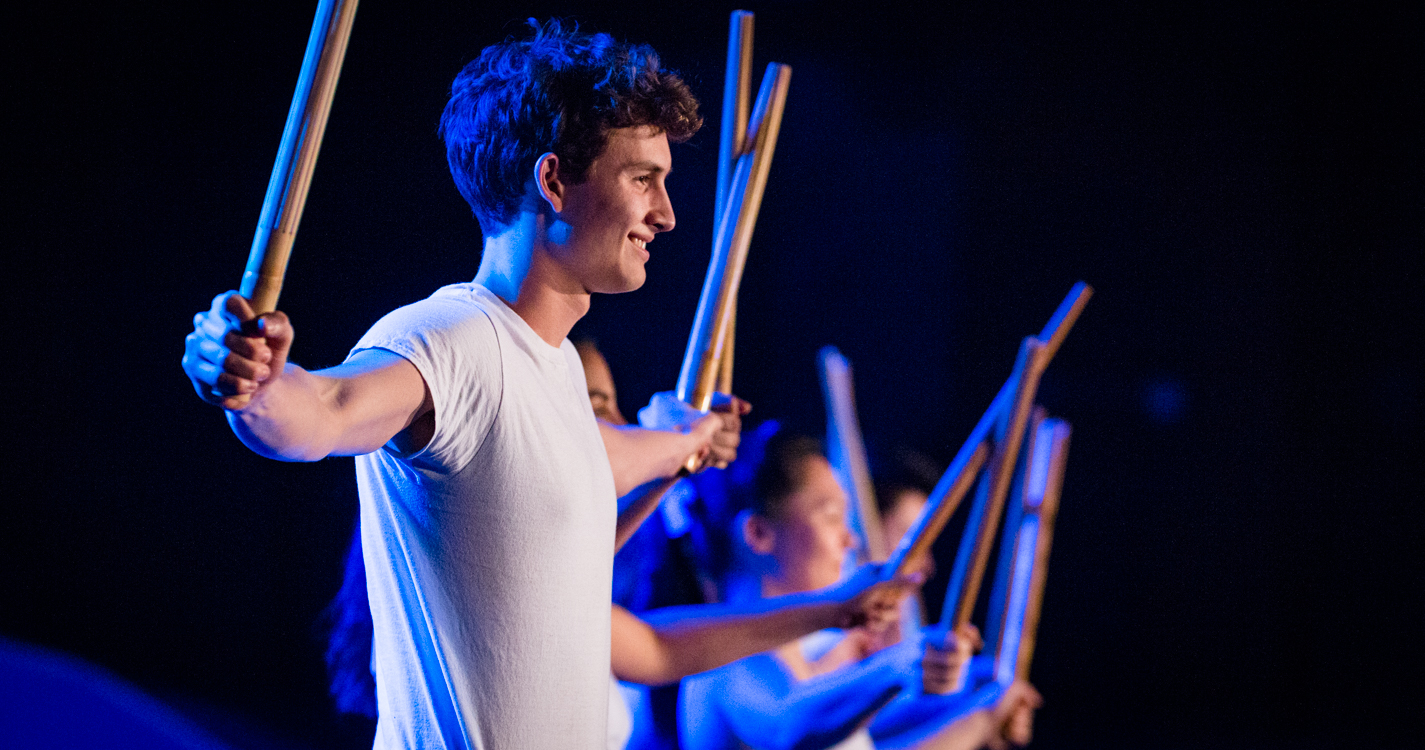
pixel 546 181
pixel 757 532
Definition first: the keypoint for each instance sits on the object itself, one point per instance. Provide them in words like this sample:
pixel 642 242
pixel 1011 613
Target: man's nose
pixel 660 216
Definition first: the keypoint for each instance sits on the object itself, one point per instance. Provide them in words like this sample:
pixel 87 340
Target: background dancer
pixel 821 692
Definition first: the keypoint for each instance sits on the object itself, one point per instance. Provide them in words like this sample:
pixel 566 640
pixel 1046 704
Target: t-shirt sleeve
pixel 454 347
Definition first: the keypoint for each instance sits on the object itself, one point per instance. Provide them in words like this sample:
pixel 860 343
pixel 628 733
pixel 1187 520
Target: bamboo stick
pixel 948 493
pixel 1032 544
pixel 712 323
pixel 983 523
pixel 848 451
pixel 297 154
pixel 736 95
pixel 1048 513
pixel 724 367
pixel 1013 516
pixel 736 101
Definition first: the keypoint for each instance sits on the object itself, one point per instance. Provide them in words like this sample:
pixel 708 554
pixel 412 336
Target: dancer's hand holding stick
pixel 241 343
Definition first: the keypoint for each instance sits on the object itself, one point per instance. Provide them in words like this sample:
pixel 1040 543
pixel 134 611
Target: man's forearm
pixel 639 456
pixel 347 410
pixel 289 419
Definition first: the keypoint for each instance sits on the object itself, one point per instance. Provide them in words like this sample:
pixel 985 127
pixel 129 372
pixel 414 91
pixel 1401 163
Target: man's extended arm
pixel 239 360
pixel 638 455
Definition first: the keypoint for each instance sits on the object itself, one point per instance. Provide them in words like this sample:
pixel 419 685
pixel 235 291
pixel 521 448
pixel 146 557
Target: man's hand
pixel 717 434
pixel 723 448
pixel 233 353
pixel 869 601
pixel 946 661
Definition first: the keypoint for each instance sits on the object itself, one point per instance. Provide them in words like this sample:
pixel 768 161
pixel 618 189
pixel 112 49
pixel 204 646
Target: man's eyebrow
pixel 647 166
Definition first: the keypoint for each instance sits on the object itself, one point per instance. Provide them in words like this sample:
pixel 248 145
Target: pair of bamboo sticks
pixel 748 140
pixel 745 152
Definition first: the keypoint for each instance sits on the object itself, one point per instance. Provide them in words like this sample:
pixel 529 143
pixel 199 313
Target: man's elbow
pixel 288 453
pixel 277 446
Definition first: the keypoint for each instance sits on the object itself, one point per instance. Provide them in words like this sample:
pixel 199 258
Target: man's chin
pixel 621 285
pixel 632 281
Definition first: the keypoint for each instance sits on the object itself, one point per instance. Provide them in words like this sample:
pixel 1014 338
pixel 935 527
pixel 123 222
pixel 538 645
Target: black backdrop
pixel 1243 186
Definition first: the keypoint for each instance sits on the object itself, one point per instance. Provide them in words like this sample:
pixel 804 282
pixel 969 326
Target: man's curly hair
pixel 558 90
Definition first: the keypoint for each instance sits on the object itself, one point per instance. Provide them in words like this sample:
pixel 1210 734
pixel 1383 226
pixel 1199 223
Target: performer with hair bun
pixel 825 690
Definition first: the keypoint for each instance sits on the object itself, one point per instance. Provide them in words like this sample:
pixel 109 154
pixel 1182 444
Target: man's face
pixel 608 220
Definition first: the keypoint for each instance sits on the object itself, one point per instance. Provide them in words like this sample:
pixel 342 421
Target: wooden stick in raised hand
pixel 736 102
pixel 848 451
pixel 712 323
pixel 1032 542
pixel 983 522
pixel 297 154
pixel 948 493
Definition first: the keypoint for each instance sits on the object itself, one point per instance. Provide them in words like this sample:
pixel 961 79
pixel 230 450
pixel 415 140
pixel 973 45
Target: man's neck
pixel 517 268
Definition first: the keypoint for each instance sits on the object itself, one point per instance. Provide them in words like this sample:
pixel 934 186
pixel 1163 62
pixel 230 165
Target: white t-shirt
pixel 489 553
pixel 620 717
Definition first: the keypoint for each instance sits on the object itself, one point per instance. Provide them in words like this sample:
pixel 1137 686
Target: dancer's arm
pixel 668 644
pixel 239 360
pixel 991 716
pixel 639 455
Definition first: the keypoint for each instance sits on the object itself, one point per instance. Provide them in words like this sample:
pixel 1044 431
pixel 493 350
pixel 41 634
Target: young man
pixel 487 490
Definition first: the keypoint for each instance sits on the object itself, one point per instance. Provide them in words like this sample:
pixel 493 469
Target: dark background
pixel 1235 561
